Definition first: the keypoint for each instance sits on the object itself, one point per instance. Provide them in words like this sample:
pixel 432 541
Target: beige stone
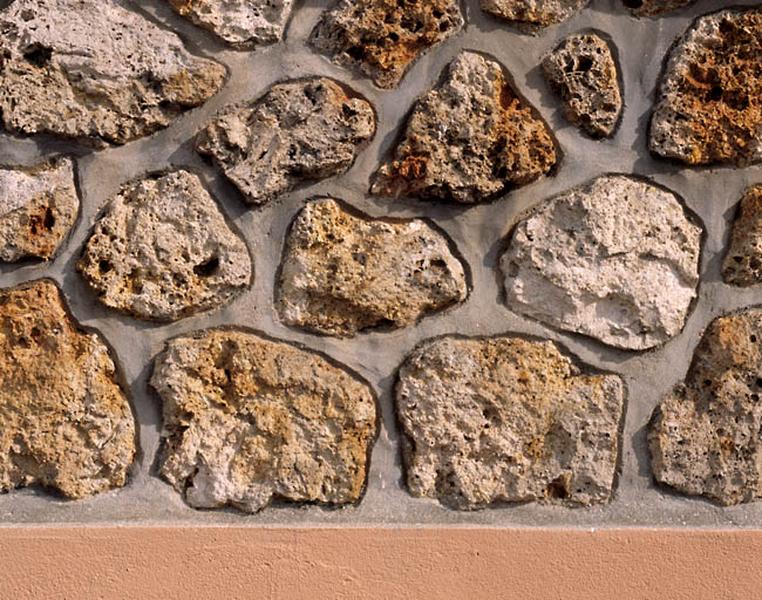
pixel 653 8
pixel 743 261
pixel 532 15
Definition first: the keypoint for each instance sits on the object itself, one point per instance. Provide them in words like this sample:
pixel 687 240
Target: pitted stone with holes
pixel 743 261
pixel 652 8
pixel 533 15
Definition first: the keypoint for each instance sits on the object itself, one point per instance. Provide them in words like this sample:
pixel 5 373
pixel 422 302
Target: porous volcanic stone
pixel 248 420
pixel 616 259
pixel 299 131
pixel 652 8
pixel 38 207
pixel 743 261
pixel 382 38
pixel 582 71
pixel 162 250
pixel 344 272
pixel 705 436
pixel 469 139
pixel 95 70
pixel 532 15
pixel 506 419
pixel 64 421
pixel 709 104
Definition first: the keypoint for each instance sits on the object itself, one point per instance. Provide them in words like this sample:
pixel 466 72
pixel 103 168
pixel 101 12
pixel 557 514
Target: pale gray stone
pixel 743 261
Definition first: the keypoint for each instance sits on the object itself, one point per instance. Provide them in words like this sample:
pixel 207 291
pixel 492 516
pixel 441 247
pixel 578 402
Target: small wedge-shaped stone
pixel 248 420
pixel 162 250
pixel 582 71
pixel 709 105
pixel 469 139
pixel 382 38
pixel 705 436
pixel 532 15
pixel 505 419
pixel 743 261
pixel 615 259
pixel 299 131
pixel 95 70
pixel 344 272
pixel 38 208
pixel 65 423
pixel 652 8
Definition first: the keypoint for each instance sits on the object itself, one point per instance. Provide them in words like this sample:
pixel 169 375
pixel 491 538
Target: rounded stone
pixel 533 15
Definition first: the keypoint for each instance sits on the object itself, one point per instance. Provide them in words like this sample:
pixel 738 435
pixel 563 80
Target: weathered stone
pixel 531 15
pixel 241 23
pixel 652 8
pixel 709 104
pixel 616 259
pixel 743 261
pixel 299 131
pixel 38 208
pixel 95 70
pixel 705 436
pixel 506 419
pixel 582 71
pixel 64 421
pixel 382 38
pixel 345 272
pixel 469 139
pixel 162 250
pixel 248 420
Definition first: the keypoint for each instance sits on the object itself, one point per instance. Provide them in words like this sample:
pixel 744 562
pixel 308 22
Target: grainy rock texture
pixel 615 259
pixel 652 8
pixel 469 139
pixel 709 104
pixel 248 420
pixel 299 131
pixel 743 261
pixel 506 419
pixel 532 15
pixel 38 208
pixel 705 436
pixel 64 421
pixel 382 38
pixel 344 272
pixel 95 69
pixel 162 250
pixel 241 23
pixel 582 71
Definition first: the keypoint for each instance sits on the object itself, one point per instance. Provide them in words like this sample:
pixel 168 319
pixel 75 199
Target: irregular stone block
pixel 344 272
pixel 38 207
pixel 162 250
pixel 743 261
pixel 96 71
pixel 582 71
pixel 469 139
pixel 382 38
pixel 65 423
pixel 532 15
pixel 505 419
pixel 652 8
pixel 615 259
pixel 709 104
pixel 299 131
pixel 248 420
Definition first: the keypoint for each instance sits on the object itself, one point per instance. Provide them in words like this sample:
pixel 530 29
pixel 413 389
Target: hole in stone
pixel 753 338
pixel 207 268
pixel 715 93
pixel 38 55
pixel 356 52
pixel 558 488
pixel 50 220
pixel 104 266
pixel 585 63
pixel 393 36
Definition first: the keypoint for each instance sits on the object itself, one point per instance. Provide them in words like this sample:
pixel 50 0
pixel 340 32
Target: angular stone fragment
pixel 532 15
pixel 382 38
pixel 709 105
pixel 743 261
pixel 582 71
pixel 705 436
pixel 38 208
pixel 507 419
pixel 615 259
pixel 299 131
pixel 64 421
pixel 162 250
pixel 95 70
pixel 344 272
pixel 652 8
pixel 469 139
pixel 248 420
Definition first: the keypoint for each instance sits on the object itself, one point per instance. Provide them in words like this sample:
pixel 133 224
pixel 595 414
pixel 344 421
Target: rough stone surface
pixel 652 8
pixel 709 104
pixel 583 73
pixel 705 436
pixel 248 420
pixel 345 272
pixel 162 250
pixel 743 261
pixel 299 131
pixel 469 139
pixel 65 423
pixel 382 38
pixel 506 419
pixel 38 208
pixel 616 259
pixel 95 70
pixel 241 23
pixel 532 15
